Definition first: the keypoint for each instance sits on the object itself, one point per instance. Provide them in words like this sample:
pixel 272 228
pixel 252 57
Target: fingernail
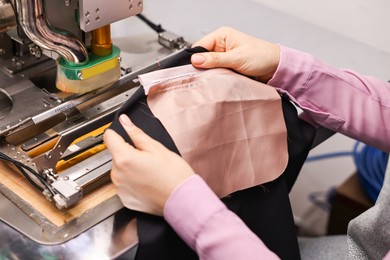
pixel 198 59
pixel 125 120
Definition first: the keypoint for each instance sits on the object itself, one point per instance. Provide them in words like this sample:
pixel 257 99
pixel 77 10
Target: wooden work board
pixel 32 202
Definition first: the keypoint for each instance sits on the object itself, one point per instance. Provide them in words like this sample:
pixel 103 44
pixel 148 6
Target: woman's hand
pixel 243 53
pixel 145 174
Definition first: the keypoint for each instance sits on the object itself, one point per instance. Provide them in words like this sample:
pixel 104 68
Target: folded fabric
pixel 265 209
pixel 228 127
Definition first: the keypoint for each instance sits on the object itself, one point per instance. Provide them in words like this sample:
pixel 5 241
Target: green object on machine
pixel 100 71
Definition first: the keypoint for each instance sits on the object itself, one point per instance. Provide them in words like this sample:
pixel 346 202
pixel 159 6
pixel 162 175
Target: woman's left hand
pixel 145 174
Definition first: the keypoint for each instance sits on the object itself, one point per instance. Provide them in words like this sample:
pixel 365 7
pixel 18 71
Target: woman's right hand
pixel 243 53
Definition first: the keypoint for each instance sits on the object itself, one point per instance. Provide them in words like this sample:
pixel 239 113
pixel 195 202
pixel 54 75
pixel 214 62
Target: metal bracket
pixel 69 192
pixel 172 41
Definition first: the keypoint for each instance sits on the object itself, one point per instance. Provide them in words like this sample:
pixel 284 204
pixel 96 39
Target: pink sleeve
pixel 341 100
pixel 200 218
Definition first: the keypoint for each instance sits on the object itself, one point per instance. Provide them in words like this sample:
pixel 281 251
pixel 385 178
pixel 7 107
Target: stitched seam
pixel 347 83
pixel 310 75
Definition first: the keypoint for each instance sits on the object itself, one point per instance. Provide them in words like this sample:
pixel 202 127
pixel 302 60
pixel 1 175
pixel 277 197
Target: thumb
pixel 140 140
pixel 209 60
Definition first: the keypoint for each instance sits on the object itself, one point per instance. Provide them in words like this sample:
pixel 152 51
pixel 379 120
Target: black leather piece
pixel 300 139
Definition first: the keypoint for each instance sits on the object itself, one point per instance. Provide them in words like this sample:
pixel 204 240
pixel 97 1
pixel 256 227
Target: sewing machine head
pixel 57 68
pixel 76 33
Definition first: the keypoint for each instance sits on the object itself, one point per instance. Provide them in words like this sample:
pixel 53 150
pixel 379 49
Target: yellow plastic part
pixel 62 164
pixel 101 75
pixel 99 69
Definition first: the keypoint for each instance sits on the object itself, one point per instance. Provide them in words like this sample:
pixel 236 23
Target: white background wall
pixel 362 20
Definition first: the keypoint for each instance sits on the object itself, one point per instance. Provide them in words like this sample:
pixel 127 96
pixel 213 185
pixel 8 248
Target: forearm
pixel 340 100
pixel 208 227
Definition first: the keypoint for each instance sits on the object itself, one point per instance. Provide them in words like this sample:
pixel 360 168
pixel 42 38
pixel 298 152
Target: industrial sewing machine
pixel 56 132
pixel 62 78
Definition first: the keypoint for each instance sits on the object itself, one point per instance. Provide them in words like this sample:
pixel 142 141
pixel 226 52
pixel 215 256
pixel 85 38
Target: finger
pixel 114 175
pixel 140 140
pixel 208 42
pixel 115 143
pixel 123 155
pixel 211 60
pixel 214 41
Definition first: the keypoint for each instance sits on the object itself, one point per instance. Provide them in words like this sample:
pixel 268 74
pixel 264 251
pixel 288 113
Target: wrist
pixel 174 185
pixel 273 63
pixel 190 206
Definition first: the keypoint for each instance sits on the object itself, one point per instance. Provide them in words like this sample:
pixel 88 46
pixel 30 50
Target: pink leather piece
pixel 229 128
